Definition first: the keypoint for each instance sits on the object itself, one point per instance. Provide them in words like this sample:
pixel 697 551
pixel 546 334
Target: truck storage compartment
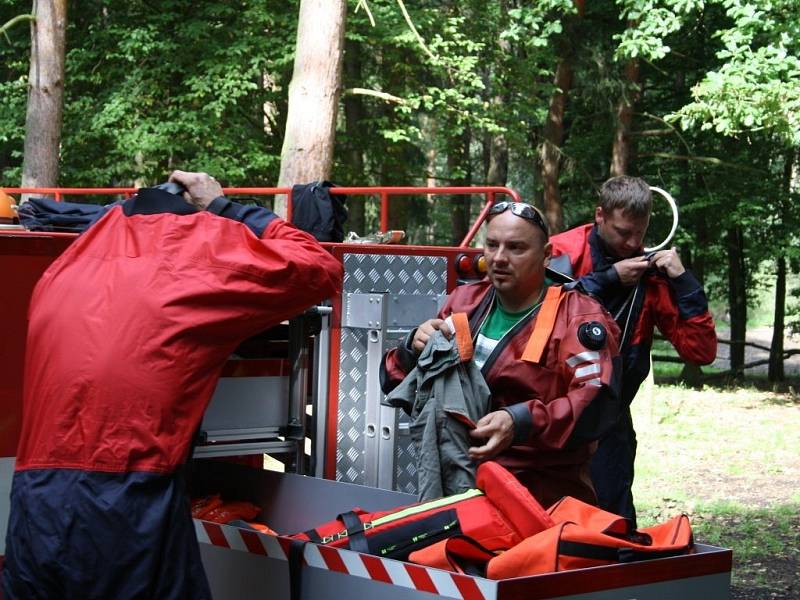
pixel 243 564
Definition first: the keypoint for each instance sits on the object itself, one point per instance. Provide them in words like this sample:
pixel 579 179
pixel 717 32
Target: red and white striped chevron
pixel 385 570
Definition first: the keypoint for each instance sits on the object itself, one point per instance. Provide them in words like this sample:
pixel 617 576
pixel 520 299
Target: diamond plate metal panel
pixel 378 273
pixel 365 273
pixel 405 464
pixel 352 399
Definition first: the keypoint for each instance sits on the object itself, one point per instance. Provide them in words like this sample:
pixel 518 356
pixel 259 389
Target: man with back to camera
pixel 546 414
pixel 128 332
pixel 642 292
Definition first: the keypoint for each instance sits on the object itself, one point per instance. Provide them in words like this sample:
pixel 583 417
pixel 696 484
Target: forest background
pixel 550 98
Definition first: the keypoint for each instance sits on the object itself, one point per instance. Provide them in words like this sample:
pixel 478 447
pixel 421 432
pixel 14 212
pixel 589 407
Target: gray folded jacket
pixel 445 395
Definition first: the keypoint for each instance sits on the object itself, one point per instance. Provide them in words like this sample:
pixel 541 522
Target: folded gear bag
pixel 599 538
pixel 499 514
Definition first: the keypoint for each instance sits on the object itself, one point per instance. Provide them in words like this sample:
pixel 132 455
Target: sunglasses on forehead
pixel 523 210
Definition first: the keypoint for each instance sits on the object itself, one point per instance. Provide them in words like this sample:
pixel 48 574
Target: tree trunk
pixel 307 153
pixel 549 152
pixel 737 296
pixel 702 236
pixel 458 162
pixel 623 142
pixel 775 372
pixel 497 169
pixel 354 116
pixel 45 94
pixel 553 133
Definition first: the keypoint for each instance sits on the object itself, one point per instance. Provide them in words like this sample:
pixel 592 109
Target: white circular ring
pixel 674 208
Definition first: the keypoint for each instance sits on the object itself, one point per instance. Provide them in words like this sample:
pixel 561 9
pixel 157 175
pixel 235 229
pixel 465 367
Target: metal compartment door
pixel 384 297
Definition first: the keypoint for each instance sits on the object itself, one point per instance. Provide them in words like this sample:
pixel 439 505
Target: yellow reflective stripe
pixel 420 508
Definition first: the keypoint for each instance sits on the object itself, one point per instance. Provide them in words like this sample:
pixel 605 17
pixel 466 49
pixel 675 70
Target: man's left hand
pixel 668 261
pixel 201 188
pixel 497 428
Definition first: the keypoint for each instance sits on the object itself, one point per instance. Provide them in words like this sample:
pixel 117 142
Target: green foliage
pixel 757 85
pixel 182 87
pixel 204 86
pixel 14 61
pixel 651 22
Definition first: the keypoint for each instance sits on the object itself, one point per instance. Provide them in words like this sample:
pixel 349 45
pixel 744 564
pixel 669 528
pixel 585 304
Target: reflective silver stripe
pixel 597 382
pixel 592 369
pixel 588 356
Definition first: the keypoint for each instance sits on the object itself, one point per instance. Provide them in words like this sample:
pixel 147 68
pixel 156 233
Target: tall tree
pixel 45 94
pixel 775 371
pixel 622 149
pixel 308 141
pixel 553 131
pixel 550 150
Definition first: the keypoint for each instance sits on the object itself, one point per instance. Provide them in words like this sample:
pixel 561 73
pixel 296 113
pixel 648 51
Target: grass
pixel 730 458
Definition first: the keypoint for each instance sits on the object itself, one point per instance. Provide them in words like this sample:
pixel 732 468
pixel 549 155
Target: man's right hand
pixel 425 331
pixel 201 188
pixel 631 269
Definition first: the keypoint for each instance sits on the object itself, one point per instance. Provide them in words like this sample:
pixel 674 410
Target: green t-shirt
pixel 500 321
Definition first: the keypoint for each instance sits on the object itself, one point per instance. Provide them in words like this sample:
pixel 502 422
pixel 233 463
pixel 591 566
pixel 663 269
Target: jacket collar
pixel 152 201
pixel 602 256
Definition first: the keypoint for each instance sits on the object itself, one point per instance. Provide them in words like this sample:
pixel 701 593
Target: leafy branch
pixel 356 91
pixel 10 23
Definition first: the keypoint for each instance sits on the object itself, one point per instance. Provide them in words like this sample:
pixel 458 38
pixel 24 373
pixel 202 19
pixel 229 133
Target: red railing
pixel 384 193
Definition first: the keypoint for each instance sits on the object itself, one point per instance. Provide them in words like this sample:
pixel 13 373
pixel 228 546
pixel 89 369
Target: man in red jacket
pixel 642 292
pixel 548 407
pixel 128 332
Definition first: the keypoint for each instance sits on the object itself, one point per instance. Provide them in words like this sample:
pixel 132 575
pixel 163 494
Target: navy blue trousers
pixel 87 535
pixel 612 468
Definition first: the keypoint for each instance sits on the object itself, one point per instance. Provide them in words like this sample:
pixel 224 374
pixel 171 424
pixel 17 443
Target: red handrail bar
pixel 384 192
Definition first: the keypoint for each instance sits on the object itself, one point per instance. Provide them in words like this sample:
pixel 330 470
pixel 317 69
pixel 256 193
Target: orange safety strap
pixel 543 327
pixel 463 336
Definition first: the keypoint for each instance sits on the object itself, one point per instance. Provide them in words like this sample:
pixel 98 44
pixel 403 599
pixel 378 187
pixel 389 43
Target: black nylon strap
pixel 313 536
pixel 295 568
pixel 607 553
pixel 355 532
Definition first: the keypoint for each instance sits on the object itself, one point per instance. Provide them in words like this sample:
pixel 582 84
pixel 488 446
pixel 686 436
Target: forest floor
pixel 730 459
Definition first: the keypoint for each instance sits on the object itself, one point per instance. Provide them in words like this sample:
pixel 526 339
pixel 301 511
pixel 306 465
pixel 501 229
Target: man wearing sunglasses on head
pixel 642 292
pixel 549 363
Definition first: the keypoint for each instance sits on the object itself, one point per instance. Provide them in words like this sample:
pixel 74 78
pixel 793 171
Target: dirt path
pixel 763 337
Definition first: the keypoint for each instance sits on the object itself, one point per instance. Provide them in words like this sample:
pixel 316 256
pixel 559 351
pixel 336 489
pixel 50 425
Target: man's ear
pixel 599 216
pixel 548 253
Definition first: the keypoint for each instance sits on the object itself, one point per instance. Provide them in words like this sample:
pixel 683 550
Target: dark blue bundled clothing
pixel 67 516
pixel 43 214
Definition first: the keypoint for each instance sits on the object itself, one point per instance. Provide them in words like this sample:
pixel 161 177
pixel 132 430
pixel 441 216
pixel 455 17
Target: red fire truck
pixel 307 394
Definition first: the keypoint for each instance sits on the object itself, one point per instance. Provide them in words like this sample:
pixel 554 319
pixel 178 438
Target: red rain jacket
pixel 131 326
pixel 560 406
pixel 678 307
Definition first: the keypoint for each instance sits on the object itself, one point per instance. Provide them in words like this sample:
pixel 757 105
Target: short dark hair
pixel 630 194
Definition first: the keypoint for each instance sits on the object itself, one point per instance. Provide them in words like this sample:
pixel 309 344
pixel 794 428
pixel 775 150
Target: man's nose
pixel 500 255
